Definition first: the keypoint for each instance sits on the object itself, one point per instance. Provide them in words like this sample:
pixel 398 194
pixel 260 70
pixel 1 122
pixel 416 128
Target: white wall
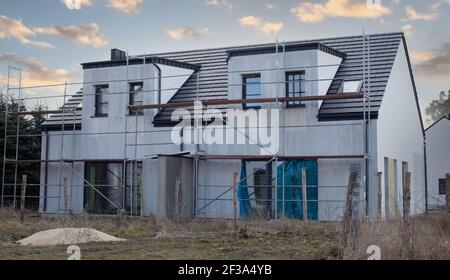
pixel 215 178
pixel 438 159
pixel 300 131
pixel 54 190
pixel 172 78
pixel 159 177
pixel 333 180
pixel 111 146
pixel 400 135
pixel 329 64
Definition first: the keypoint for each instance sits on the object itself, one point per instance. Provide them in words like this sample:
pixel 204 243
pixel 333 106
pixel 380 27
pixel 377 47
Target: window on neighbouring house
pixel 442 186
pixel 251 89
pixel 136 97
pixel 295 87
pixel 101 100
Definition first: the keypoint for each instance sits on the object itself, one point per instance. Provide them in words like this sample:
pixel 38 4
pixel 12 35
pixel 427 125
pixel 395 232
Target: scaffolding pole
pixel 17 140
pixel 369 119
pixel 5 134
pixel 124 168
pixel 62 149
pixel 196 165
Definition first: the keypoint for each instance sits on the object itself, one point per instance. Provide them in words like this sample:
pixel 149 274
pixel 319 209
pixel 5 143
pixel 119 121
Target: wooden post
pixel 22 198
pixel 121 195
pixel 177 199
pixel 406 233
pixel 66 196
pixel 379 196
pixel 348 213
pixel 235 175
pixel 305 202
pixel 447 192
pixel 407 197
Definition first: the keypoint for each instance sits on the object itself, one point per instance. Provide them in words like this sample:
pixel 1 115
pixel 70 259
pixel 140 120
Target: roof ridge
pixel 267 43
pixel 438 120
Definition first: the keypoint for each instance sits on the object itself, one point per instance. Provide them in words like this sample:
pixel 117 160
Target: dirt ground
pixel 150 238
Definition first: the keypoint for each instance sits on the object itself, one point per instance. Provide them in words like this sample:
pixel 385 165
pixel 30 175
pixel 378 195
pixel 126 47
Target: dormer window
pixel 350 86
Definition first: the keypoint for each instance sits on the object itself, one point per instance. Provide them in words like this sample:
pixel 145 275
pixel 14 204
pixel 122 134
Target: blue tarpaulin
pixel 292 194
pixel 245 207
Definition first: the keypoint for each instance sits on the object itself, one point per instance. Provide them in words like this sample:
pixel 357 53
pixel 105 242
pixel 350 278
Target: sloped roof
pixel 447 117
pixel 71 116
pixel 213 73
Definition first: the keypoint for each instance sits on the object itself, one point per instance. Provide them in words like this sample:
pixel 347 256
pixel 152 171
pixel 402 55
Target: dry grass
pixel 426 237
pixel 152 238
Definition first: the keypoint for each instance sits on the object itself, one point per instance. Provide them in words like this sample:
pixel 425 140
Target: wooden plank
pixel 235 175
pixel 177 199
pixel 22 198
pixel 202 157
pixel 379 196
pixel 43 112
pixel 245 101
pixel 26 161
pixel 347 224
pixel 66 195
pixel 391 194
pixel 407 198
pixel 268 157
pixel 305 199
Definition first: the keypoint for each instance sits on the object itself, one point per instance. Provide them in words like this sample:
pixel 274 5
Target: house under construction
pixel 333 106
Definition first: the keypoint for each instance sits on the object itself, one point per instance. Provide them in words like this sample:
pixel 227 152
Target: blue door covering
pixel 292 190
pixel 245 207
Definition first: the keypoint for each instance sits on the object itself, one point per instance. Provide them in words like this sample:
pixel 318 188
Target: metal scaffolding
pixel 129 180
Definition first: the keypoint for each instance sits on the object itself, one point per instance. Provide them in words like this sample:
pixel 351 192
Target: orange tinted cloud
pixel 11 28
pixel 126 6
pixel 82 34
pixel 35 72
pixel 185 32
pixel 312 13
pixel 434 64
pixel 265 26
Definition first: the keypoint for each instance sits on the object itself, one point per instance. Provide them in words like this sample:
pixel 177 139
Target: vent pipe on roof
pixel 117 54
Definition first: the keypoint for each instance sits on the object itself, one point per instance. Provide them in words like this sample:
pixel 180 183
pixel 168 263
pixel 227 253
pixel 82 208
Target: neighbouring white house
pixel 112 155
pixel 438 160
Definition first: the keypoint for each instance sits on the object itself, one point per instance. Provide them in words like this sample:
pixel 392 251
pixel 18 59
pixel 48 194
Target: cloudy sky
pixel 49 39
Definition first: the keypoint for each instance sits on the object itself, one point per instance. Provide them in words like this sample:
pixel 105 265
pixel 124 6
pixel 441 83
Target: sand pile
pixel 67 236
